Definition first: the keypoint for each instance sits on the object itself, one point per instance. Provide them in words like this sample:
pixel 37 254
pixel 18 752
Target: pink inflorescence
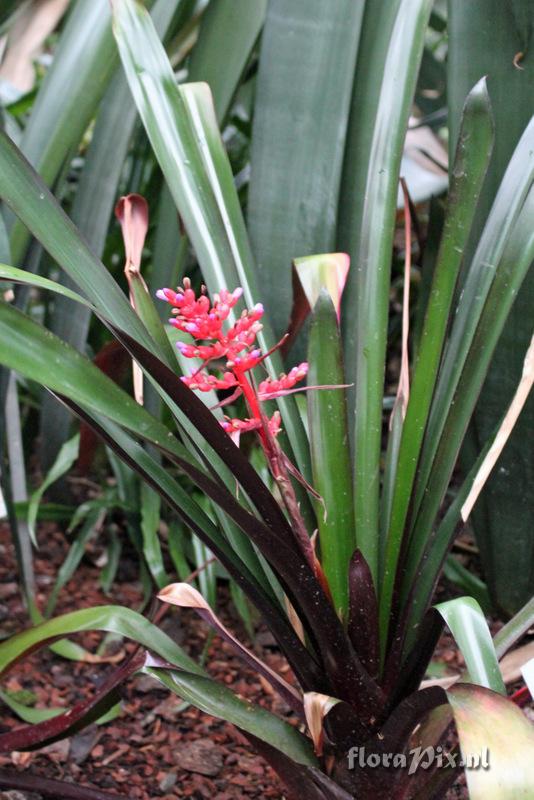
pixel 235 344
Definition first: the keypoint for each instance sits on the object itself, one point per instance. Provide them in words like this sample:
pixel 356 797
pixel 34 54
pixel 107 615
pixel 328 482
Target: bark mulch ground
pixel 156 748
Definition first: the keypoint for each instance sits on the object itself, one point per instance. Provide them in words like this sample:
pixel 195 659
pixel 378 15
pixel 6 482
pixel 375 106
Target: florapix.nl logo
pixel 417 758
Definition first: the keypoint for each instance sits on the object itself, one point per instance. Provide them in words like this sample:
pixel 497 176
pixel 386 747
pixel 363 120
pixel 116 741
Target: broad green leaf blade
pixel 83 64
pixel 96 194
pixel 26 194
pixel 468 625
pixel 330 449
pixel 471 161
pixel 480 42
pixel 448 423
pixel 217 700
pixel 64 461
pixel 27 347
pixel 496 736
pixel 113 619
pixel 368 198
pixel 509 220
pixel 228 32
pixel 182 128
pixel 304 84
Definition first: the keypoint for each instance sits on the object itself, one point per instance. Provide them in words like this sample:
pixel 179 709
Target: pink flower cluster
pixel 205 323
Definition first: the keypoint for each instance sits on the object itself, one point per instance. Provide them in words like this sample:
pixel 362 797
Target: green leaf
pixel 390 52
pixel 113 619
pixel 228 32
pixel 64 461
pixel 26 194
pixel 330 450
pixel 83 63
pixel 26 712
pixel 96 195
pixel 182 127
pixel 468 625
pixel 495 729
pixel 74 556
pixel 13 483
pixel 504 511
pixel 217 700
pixel 150 517
pixel 304 84
pixel 514 629
pixel 468 355
pixel 471 161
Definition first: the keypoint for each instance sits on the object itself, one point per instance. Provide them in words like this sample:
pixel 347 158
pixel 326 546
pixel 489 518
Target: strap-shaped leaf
pixel 25 193
pixel 472 157
pixel 182 127
pixel 113 619
pixel 330 449
pixel 303 94
pixel 388 63
pixel 219 701
pixel 228 32
pixel 468 625
pixel 448 423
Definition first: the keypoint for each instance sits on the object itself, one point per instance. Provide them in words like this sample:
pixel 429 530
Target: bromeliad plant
pixel 351 609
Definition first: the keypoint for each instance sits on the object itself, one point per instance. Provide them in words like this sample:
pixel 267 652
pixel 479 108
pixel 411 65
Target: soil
pixel 155 748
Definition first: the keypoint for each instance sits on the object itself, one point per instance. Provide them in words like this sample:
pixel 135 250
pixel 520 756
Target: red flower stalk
pixel 214 340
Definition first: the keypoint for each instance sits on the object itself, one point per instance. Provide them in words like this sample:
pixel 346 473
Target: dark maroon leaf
pixel 57 790
pixel 343 728
pixel 394 735
pixel 363 614
pixel 83 713
pixel 403 678
pixel 382 779
pixel 301 782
